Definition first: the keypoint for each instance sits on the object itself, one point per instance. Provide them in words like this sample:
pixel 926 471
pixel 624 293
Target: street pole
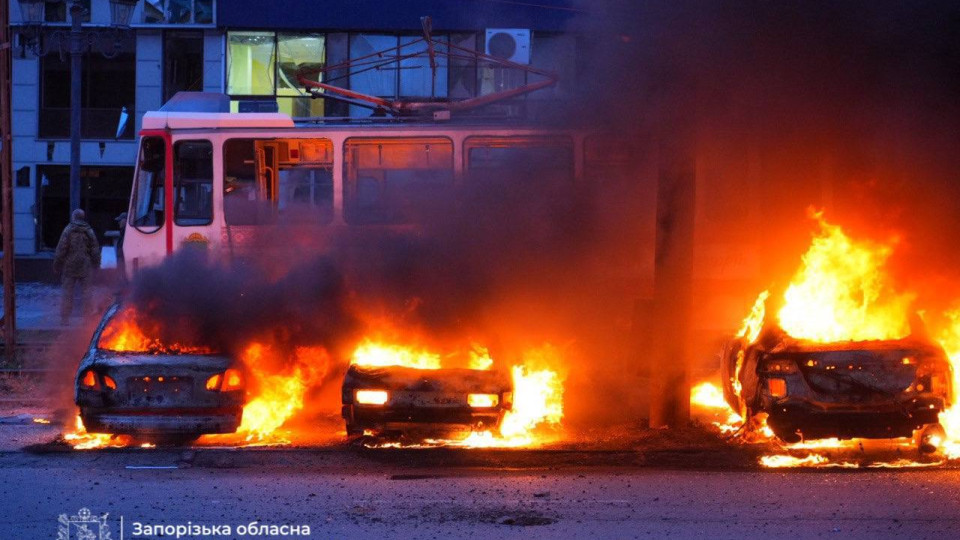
pixel 76 55
pixel 6 192
pixel 673 267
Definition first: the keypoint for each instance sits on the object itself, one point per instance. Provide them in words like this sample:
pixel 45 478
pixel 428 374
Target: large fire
pixel 841 292
pixel 126 332
pixel 537 389
pixel 78 437
pixel 279 395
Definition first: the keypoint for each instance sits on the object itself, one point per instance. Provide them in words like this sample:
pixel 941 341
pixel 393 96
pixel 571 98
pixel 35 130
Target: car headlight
pixel 483 400
pixel 371 397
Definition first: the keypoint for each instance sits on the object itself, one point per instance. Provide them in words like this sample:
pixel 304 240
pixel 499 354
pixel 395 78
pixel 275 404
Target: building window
pixel 296 52
pixel 265 64
pixel 182 63
pixel 178 12
pixel 193 183
pixel 108 85
pixel 251 63
pixel 391 76
pixel 59 12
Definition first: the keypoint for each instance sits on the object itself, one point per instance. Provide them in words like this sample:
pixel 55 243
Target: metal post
pixel 673 270
pixel 6 193
pixel 76 77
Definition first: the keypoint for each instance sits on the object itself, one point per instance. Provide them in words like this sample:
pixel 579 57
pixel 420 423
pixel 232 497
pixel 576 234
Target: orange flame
pixel 842 293
pixel 949 338
pixel 280 395
pixel 371 353
pixel 754 321
pixel 80 439
pixel 124 333
pixel 537 390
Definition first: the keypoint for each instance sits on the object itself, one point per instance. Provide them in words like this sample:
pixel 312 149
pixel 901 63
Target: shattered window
pixel 251 60
pixel 146 208
pixel 178 11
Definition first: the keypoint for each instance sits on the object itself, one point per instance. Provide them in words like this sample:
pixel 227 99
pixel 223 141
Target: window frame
pixel 129 134
pixel 275 203
pixel 520 141
pixel 177 184
pixel 142 22
pixel 166 185
pixel 348 187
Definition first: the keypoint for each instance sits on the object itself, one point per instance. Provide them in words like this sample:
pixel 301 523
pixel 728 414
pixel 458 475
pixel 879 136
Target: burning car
pixel 128 383
pixel 396 400
pixel 847 389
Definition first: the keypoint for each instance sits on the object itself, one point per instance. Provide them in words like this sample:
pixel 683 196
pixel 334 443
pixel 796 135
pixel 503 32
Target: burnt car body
pixel 393 400
pixel 866 389
pixel 165 396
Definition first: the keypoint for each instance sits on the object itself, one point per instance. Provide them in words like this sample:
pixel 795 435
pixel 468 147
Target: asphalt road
pixel 346 492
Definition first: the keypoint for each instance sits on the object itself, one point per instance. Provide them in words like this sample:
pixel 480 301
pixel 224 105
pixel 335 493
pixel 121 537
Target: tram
pixel 207 175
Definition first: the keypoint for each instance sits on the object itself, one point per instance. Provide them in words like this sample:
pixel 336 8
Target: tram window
pixel 523 159
pixel 193 183
pixel 390 181
pixel 278 180
pixel 240 194
pixel 147 206
pixel 306 195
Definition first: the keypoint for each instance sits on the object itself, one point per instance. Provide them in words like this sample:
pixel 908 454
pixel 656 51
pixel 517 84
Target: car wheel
pixel 930 437
pixel 170 440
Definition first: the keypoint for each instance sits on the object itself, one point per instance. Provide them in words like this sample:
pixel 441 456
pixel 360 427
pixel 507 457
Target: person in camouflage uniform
pixel 78 254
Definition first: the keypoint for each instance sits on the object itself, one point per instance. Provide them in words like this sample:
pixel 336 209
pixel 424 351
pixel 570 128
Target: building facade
pixel 249 50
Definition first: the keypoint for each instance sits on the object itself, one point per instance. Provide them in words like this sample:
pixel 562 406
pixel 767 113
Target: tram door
pixel 267 180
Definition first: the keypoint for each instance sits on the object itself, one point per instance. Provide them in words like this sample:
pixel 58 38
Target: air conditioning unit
pixel 511 44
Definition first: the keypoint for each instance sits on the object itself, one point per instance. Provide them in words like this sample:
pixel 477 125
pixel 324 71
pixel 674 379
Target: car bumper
pixel 897 418
pixel 182 422
pixel 445 419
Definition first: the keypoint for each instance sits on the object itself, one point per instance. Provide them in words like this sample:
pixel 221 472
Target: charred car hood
pixel 146 360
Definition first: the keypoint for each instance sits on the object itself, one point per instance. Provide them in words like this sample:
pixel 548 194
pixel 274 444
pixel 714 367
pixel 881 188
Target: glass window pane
pixel 193 183
pixel 180 11
pixel 301 107
pixel 240 190
pixel 182 62
pixel 395 180
pixel 203 11
pixel 250 63
pixel 463 70
pixel 153 12
pixel 295 52
pixel 416 76
pixel 525 159
pixel 107 86
pixel 146 208
pixel 376 75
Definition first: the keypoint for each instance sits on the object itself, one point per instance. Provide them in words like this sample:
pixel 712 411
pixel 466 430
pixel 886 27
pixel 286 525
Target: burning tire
pixel 930 438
